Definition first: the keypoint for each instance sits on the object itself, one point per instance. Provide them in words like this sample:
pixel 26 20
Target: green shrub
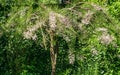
pixel 114 10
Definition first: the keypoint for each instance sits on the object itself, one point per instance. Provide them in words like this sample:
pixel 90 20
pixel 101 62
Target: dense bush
pixel 114 10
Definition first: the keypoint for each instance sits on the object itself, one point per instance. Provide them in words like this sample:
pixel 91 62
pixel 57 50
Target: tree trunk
pixel 53 41
pixel 53 52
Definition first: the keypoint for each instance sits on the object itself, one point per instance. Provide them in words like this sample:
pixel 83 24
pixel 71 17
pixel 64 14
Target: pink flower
pixel 106 39
pixel 86 19
pixel 30 33
pixel 52 21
